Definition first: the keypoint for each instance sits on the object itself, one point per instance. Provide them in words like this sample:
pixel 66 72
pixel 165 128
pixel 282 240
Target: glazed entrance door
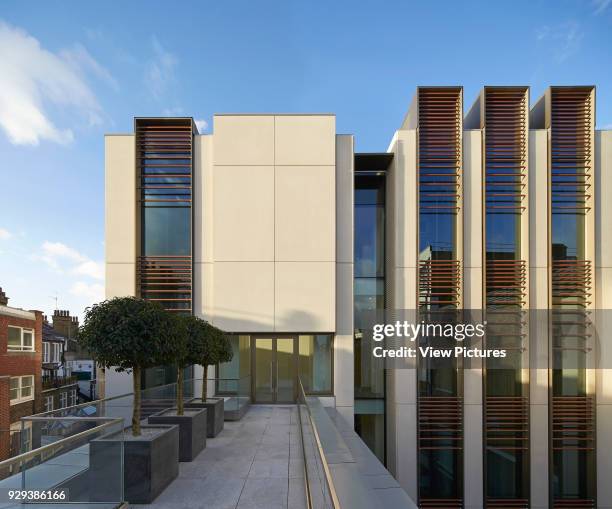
pixel 275 369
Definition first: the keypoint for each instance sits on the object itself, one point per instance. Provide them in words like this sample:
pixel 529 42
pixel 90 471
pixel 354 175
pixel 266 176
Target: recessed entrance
pixel 274 369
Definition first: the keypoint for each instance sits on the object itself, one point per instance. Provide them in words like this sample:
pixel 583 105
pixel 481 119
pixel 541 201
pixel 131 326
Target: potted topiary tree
pixel 131 334
pixel 213 347
pixel 192 422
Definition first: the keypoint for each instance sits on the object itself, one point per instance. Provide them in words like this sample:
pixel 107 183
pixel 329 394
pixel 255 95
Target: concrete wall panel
pixel 244 140
pixel 244 296
pixel 305 219
pixel 305 140
pixel 305 297
pixel 243 212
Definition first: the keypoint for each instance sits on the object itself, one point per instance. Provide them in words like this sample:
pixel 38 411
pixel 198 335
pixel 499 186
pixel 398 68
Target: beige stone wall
pixel 273 223
pixel 473 460
pixel 401 270
pixel 120 215
pixel 603 285
pixel 120 237
pixel 538 296
pixel 344 367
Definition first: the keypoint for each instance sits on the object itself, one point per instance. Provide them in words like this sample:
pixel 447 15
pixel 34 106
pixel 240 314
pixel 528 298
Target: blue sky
pixel 71 71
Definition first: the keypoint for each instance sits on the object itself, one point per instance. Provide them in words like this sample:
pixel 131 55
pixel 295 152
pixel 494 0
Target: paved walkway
pixel 255 463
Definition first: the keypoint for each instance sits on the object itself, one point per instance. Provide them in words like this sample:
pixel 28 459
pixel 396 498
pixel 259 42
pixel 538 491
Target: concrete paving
pixel 254 463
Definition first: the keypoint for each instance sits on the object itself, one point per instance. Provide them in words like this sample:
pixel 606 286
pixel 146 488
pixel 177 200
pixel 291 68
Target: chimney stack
pixel 3 298
pixel 65 324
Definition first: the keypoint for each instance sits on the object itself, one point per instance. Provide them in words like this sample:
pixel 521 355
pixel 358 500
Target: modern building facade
pixel 276 231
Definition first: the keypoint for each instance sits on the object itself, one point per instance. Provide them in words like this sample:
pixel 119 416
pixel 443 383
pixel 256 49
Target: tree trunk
pixel 205 384
pixel 179 392
pixel 136 410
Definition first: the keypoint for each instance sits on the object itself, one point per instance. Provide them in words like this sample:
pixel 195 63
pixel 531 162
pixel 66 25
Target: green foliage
pixel 191 342
pixel 127 332
pixel 218 347
pixel 224 350
pixel 201 343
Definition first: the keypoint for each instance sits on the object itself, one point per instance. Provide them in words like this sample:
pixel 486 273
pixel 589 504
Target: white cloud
pixel 34 79
pixel 159 73
pixel 173 112
pixel 601 5
pixel 62 258
pixel 90 268
pixel 59 250
pixel 565 39
pixel 93 292
pixel 5 234
pixel 201 124
pixel 81 60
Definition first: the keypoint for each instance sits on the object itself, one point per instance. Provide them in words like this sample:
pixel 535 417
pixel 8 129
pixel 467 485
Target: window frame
pixel 63 399
pixel 23 427
pixel 20 386
pixel 49 403
pixel 57 352
pixel 21 347
pixel 46 352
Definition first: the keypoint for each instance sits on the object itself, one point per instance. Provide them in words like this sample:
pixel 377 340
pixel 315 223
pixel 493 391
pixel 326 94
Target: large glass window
pixel 234 374
pixel 503 236
pixel 315 362
pixel 166 231
pixel 369 295
pixel 370 425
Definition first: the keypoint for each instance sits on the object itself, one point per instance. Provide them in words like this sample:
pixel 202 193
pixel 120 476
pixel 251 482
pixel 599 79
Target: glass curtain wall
pixel 440 413
pixel 572 436
pixel 506 388
pixel 369 295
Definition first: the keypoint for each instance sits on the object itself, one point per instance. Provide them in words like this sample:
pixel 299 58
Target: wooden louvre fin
pixel 505 163
pixel 571 150
pixel 440 422
pixel 573 423
pixel 507 423
pixel 509 503
pixel 439 178
pixel 167 280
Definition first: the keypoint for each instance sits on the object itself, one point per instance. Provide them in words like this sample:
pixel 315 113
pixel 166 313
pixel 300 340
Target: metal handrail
pixel 328 477
pixel 60 444
pixel 104 400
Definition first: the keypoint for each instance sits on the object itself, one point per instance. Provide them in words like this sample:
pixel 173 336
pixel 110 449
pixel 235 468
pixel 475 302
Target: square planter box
pixel 192 429
pixel 150 463
pixel 215 410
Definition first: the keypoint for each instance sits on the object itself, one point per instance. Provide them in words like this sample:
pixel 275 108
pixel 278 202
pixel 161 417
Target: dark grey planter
pixel 215 414
pixel 150 463
pixel 192 429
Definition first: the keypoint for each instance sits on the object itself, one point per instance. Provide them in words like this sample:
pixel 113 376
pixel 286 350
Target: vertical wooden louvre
pixel 504 121
pixel 572 433
pixel 440 402
pixel 164 149
pixel 440 163
pixel 505 162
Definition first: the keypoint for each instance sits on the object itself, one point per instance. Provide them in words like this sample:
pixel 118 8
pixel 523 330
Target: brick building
pixel 20 373
pixel 59 385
